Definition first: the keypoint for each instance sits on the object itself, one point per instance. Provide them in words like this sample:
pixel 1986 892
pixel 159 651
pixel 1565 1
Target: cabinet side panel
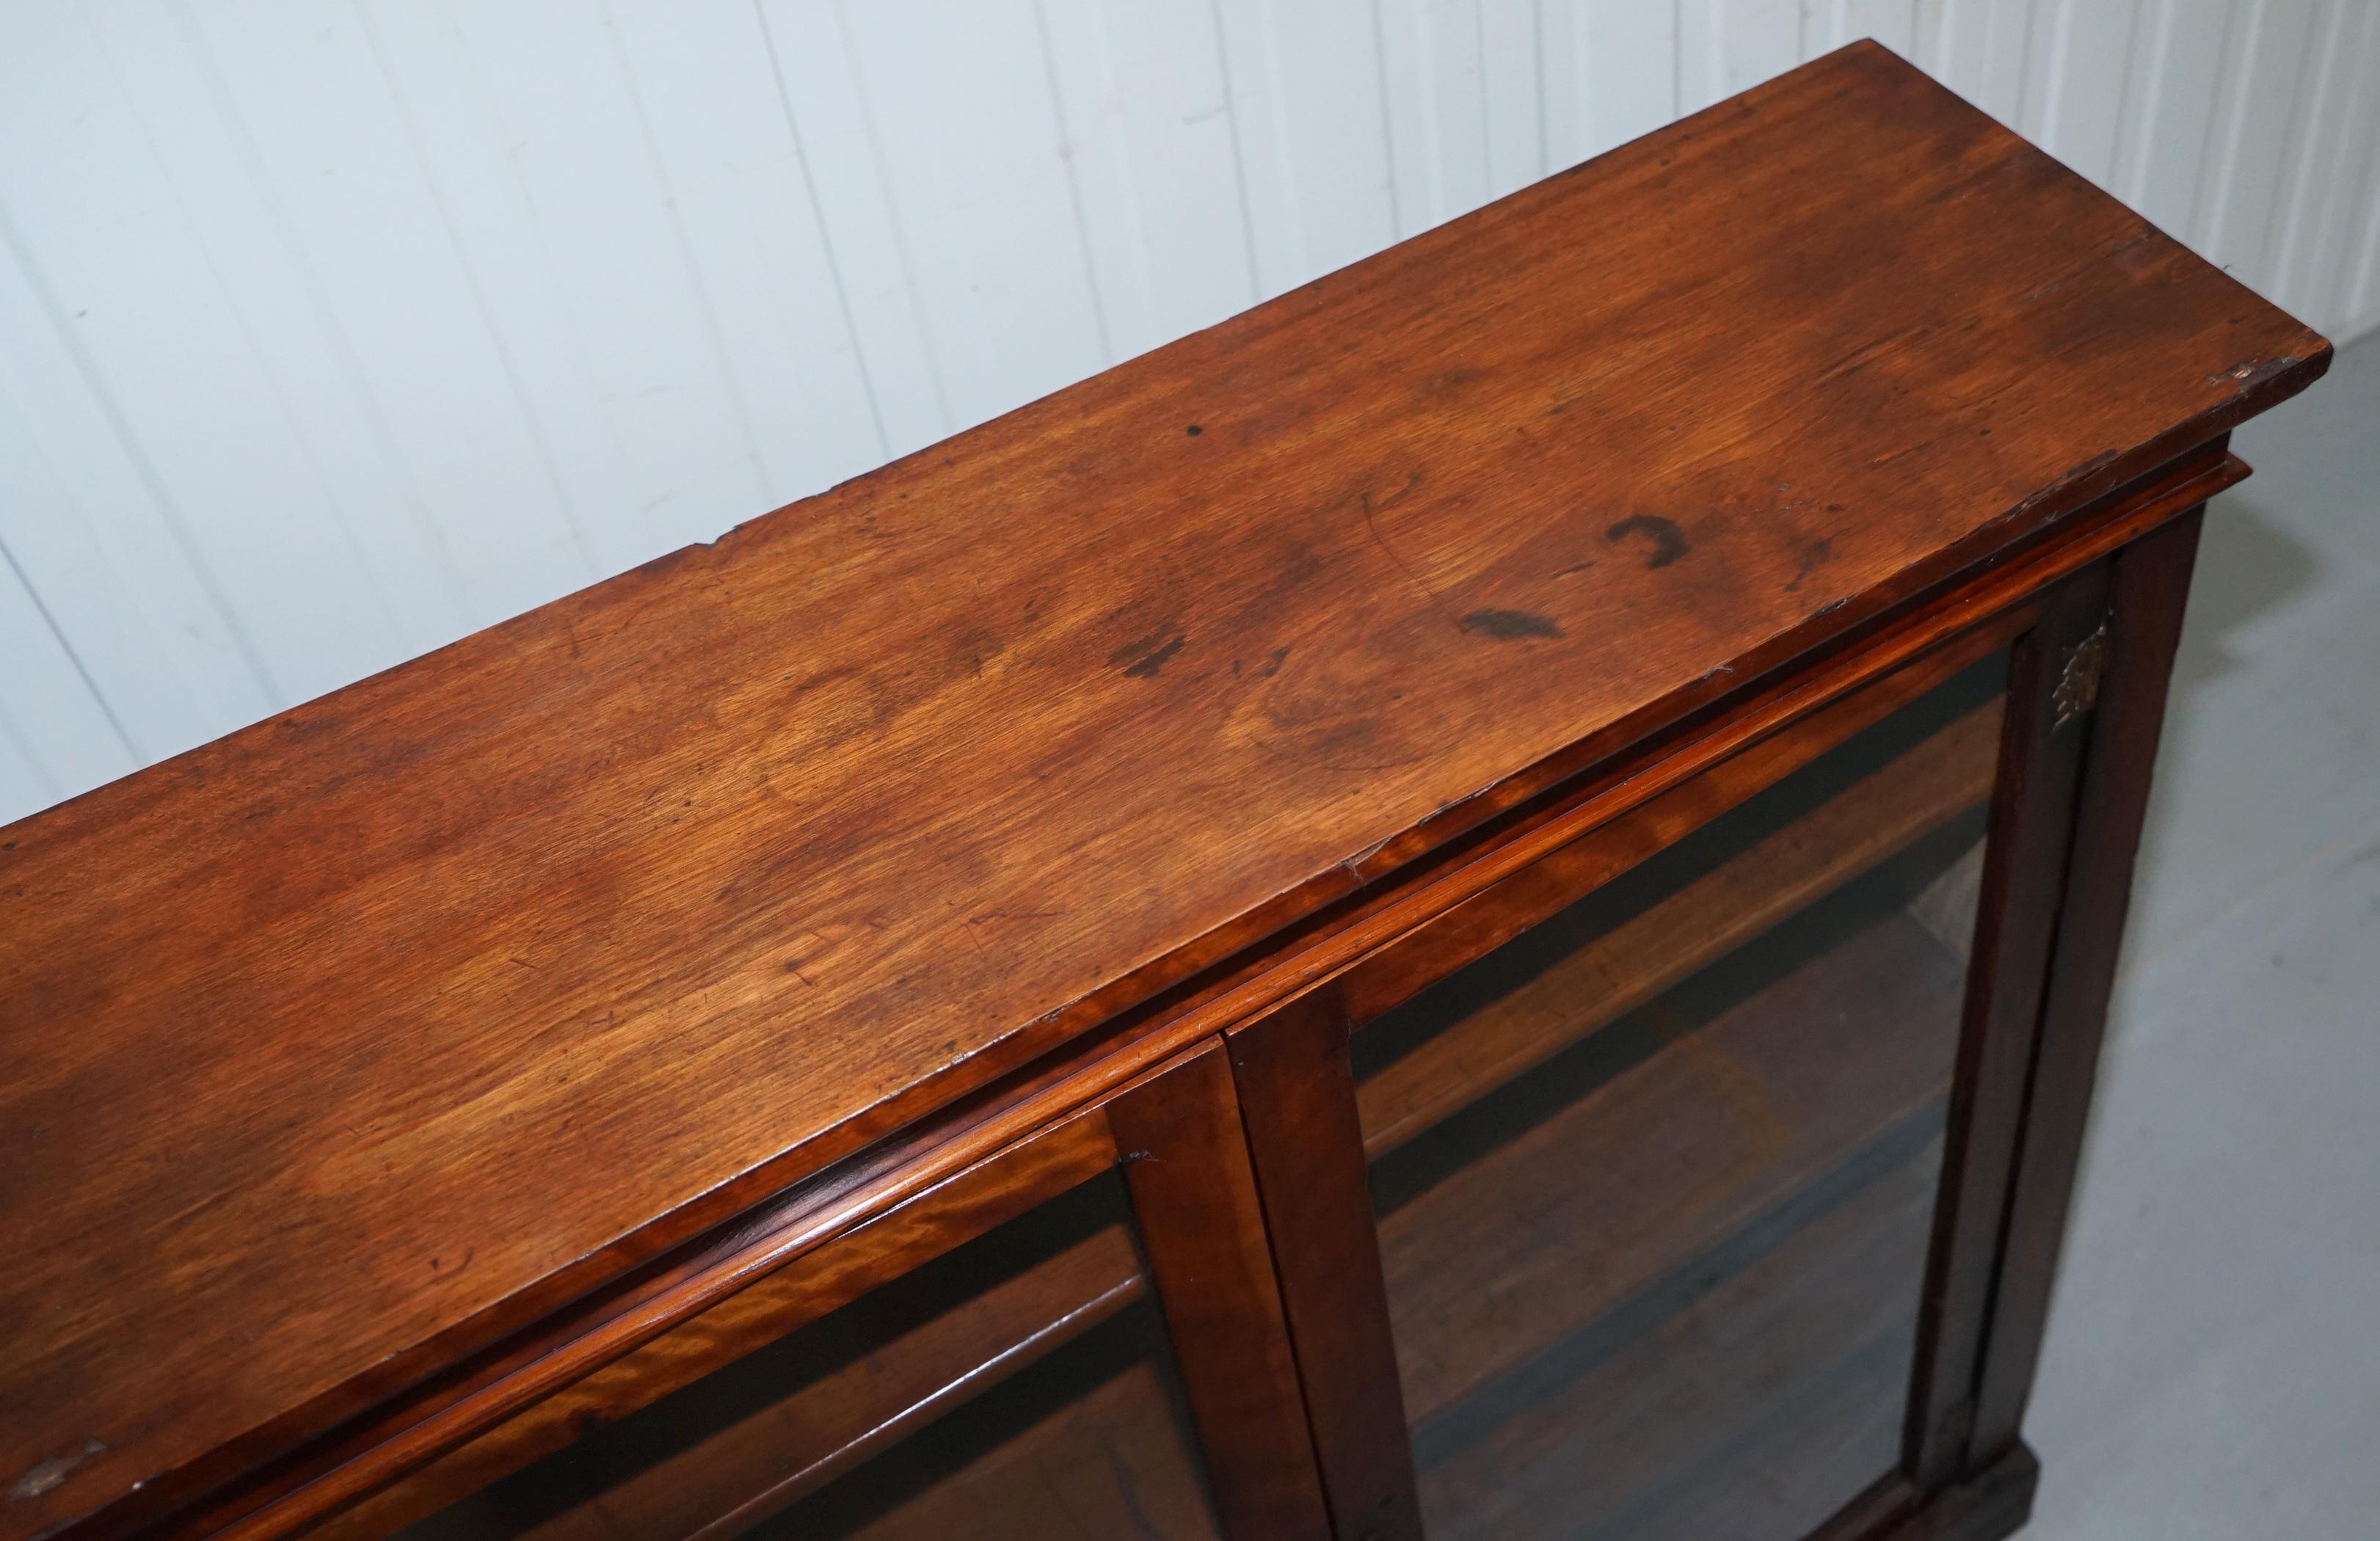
pixel 2151 583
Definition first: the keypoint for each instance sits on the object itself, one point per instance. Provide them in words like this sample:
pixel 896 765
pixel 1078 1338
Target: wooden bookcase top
pixel 372 1018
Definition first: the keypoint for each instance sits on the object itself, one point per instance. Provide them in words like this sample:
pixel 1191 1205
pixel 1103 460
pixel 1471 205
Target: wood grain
pixel 1985 1504
pixel 2024 871
pixel 540 1393
pixel 1297 1101
pixel 1487 919
pixel 1202 1229
pixel 2147 591
pixel 744 1472
pixel 349 1043
pixel 1067 1294
pixel 1644 953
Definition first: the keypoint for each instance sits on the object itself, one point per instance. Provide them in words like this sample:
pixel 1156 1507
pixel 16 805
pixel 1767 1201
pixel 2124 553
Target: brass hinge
pixel 2078 680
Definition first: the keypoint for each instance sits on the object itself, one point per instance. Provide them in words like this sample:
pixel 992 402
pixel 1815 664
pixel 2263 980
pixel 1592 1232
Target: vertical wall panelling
pixel 2350 271
pixel 87 532
pixel 394 178
pixel 1432 80
pixel 841 157
pixel 555 83
pixel 744 230
pixel 1308 93
pixel 2332 191
pixel 1611 72
pixel 1146 137
pixel 1829 24
pixel 358 478
pixel 23 788
pixel 2177 72
pixel 2079 61
pixel 2263 109
pixel 1978 48
pixel 970 139
pixel 108 238
pixel 75 745
pixel 1725 46
pixel 330 330
pixel 1512 90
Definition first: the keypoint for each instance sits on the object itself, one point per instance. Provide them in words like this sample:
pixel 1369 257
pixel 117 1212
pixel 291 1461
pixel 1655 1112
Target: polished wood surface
pixel 2147 591
pixel 761 1279
pixel 781 1454
pixel 1066 1295
pixel 1983 1505
pixel 1202 1229
pixel 1646 953
pixel 2024 872
pixel 1297 1100
pixel 360 1039
pixel 1603 850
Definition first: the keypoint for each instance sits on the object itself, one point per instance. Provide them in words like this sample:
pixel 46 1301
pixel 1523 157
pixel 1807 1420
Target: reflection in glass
pixel 1663 1280
pixel 1020 1386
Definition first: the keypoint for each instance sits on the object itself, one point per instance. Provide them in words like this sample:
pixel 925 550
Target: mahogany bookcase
pixel 1478 902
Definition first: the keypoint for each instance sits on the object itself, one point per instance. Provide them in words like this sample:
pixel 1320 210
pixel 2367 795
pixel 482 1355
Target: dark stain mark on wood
pixel 1511 626
pixel 47 1475
pixel 1143 658
pixel 1194 430
pixel 1666 540
pixel 1815 554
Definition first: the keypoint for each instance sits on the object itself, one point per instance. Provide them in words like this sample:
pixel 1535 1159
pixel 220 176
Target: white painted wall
pixel 333 330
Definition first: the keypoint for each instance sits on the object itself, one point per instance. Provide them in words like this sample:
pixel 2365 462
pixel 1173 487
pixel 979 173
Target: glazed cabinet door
pixel 1660 1187
pixel 1076 1337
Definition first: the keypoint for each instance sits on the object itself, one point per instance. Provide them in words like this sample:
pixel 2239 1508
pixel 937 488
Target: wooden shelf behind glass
pixel 1653 1237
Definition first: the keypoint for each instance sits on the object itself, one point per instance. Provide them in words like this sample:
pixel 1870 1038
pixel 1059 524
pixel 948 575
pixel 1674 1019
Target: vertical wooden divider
pixel 1297 1095
pixel 2151 584
pixel 1202 1229
pixel 2024 869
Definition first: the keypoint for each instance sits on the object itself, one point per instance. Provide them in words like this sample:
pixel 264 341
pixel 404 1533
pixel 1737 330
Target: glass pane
pixel 1019 1386
pixel 1665 1283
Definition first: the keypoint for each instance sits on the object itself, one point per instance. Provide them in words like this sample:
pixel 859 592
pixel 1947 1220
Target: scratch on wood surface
pixel 46 1474
pixel 2255 371
pixel 1364 500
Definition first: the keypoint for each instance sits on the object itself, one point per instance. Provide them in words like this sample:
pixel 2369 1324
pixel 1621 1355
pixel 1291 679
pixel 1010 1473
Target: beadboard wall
pixel 333 330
